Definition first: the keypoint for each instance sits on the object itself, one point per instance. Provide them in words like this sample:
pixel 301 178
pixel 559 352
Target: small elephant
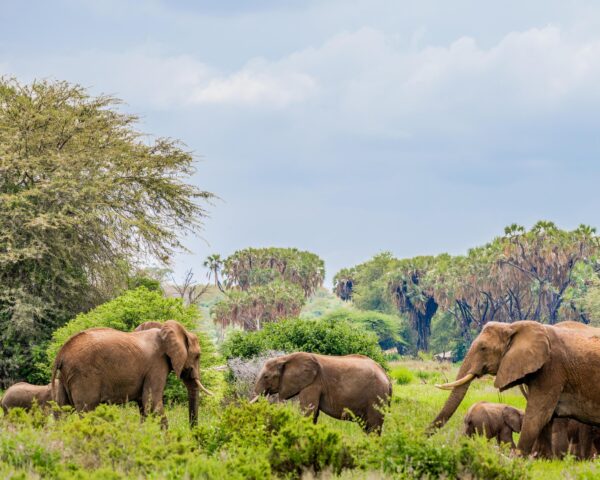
pixel 102 365
pixel 23 394
pixel 329 384
pixel 494 420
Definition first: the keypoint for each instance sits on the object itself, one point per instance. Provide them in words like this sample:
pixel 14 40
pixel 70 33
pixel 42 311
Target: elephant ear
pixel 174 339
pixel 513 418
pixel 297 372
pixel 528 350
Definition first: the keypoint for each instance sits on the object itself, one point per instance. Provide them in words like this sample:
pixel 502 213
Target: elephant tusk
pixel 449 386
pixel 203 388
pixel 254 399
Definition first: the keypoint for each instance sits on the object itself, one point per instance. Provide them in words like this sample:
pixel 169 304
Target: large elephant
pixel 493 420
pixel 329 384
pixel 560 369
pixel 24 394
pixel 102 365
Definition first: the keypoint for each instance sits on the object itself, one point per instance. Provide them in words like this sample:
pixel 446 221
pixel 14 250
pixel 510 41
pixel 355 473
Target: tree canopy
pixel 83 196
pixel 258 266
pixel 538 274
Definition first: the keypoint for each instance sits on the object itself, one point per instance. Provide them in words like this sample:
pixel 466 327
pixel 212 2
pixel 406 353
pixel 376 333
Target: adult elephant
pixel 102 365
pixel 561 371
pixel 334 385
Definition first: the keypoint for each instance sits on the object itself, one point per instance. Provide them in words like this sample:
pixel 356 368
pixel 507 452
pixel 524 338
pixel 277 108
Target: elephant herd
pixel 557 368
pixel 102 365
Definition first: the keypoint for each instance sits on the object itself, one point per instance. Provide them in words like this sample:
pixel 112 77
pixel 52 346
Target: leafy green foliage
pixel 391 330
pixel 326 336
pixel 259 266
pixel 538 274
pixel 260 305
pixel 82 192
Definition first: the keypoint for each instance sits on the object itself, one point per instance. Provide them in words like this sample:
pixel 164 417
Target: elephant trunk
pixel 193 400
pixel 457 395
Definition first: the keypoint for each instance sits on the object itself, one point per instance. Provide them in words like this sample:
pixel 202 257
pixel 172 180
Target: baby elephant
pixel 23 394
pixel 494 420
pixel 333 385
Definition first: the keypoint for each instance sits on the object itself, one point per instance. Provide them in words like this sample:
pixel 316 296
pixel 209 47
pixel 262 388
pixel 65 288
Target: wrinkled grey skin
pixel 102 365
pixel 329 384
pixel 493 420
pixel 23 394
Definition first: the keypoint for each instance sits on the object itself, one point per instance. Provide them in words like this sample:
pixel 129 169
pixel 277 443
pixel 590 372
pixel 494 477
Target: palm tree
pixel 214 263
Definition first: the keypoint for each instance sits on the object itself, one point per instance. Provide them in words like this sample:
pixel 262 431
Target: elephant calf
pixel 329 384
pixel 493 420
pixel 23 394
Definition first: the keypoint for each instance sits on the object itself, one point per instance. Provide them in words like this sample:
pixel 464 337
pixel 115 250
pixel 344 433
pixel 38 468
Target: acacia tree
pixel 83 195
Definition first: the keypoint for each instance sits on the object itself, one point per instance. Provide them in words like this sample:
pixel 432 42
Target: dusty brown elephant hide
pixel 560 369
pixel 493 420
pixel 330 384
pixel 102 365
pixel 23 394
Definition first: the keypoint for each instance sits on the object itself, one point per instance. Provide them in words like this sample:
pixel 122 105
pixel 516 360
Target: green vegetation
pixel 392 331
pixel 265 285
pixel 259 305
pixel 541 274
pixel 82 194
pixel 329 337
pixel 263 440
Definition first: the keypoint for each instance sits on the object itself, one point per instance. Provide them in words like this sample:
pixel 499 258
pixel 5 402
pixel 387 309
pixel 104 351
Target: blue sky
pixel 346 127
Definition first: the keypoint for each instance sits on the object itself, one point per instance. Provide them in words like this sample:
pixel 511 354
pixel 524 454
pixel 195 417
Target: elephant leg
pixel 560 437
pixel 374 420
pixel 309 401
pixel 153 403
pixel 540 408
pixel 584 439
pixel 506 436
pixel 142 410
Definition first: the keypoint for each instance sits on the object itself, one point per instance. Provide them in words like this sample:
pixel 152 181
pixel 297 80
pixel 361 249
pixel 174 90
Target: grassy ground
pixel 266 441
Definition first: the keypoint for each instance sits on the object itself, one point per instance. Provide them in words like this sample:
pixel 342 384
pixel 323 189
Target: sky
pixel 345 127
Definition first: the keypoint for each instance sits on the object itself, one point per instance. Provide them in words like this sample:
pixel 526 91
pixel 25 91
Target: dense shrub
pixel 327 336
pixel 291 442
pixel 391 330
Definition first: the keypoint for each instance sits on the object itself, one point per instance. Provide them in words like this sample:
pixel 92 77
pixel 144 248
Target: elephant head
pixel 508 351
pixel 183 349
pixel 286 375
pixel 513 418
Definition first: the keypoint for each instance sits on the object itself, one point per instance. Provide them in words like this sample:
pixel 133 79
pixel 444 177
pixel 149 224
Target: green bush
pixel 326 336
pixel 291 442
pixel 391 330
pixel 402 375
